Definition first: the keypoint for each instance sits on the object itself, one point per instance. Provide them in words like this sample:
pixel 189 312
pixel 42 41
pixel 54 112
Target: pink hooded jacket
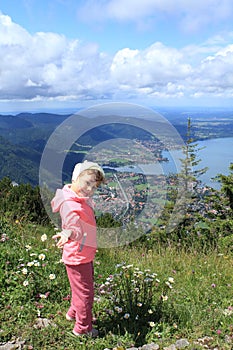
pixel 77 215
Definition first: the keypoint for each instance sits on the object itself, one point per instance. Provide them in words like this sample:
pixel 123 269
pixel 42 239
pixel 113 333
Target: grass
pixel 142 296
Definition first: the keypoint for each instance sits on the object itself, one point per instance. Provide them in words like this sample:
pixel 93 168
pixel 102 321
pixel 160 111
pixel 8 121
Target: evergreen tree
pixel 227 185
pixel 188 194
pixel 189 173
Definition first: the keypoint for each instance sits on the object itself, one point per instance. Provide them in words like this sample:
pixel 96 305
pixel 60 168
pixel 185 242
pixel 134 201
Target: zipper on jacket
pixel 83 242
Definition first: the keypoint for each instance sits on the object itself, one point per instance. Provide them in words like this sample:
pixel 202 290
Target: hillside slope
pixel 18 163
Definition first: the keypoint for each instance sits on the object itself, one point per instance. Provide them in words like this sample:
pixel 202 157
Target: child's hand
pixel 61 241
pixel 64 236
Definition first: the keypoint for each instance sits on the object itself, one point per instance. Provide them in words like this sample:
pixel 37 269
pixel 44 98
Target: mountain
pixel 18 163
pixel 24 136
pixel 22 140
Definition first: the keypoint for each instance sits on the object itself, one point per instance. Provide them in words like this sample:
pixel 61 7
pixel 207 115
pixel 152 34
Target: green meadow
pixel 144 292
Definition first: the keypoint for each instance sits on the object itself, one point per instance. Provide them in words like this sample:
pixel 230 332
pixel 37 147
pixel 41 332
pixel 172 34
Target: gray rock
pixel 43 323
pixel 13 345
pixel 170 347
pixel 151 346
pixel 181 343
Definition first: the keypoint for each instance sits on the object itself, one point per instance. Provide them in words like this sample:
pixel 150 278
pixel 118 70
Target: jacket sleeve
pixel 71 220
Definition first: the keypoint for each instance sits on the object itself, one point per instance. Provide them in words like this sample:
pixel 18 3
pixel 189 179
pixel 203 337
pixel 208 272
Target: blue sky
pixel 73 54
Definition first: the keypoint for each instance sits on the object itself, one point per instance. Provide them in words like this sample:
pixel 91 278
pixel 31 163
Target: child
pixel 78 240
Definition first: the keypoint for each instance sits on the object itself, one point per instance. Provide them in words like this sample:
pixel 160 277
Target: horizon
pixel 71 110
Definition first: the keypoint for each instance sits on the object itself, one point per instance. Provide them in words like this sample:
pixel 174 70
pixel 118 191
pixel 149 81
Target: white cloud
pixel 155 66
pixel 50 66
pixel 190 14
pixel 12 33
pixel 47 64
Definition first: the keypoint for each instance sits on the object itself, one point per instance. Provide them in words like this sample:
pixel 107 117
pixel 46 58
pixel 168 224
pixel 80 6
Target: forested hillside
pixel 22 140
pixel 18 163
pixel 24 136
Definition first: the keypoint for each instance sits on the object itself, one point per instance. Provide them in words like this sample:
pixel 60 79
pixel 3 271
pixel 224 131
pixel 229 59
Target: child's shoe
pixel 93 333
pixel 69 318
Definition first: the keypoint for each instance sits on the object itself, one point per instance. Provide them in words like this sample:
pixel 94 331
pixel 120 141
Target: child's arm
pixel 64 236
pixel 71 222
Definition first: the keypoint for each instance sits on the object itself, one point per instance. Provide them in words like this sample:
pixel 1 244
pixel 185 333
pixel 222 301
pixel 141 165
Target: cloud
pixel 155 65
pixel 50 66
pixel 191 15
pixel 214 75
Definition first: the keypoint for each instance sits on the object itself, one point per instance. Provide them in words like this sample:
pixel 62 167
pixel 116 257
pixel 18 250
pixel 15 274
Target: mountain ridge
pixel 24 136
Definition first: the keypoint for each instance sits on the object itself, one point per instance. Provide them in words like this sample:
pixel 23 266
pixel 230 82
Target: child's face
pixel 85 185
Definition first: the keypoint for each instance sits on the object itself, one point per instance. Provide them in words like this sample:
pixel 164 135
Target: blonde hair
pixel 99 177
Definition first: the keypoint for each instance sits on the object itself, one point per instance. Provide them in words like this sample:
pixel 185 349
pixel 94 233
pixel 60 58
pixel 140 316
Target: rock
pixel 181 343
pixel 170 347
pixel 43 323
pixel 151 346
pixel 204 341
pixel 13 345
pixel 228 339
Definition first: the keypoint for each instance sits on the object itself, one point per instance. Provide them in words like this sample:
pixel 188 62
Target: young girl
pixel 78 240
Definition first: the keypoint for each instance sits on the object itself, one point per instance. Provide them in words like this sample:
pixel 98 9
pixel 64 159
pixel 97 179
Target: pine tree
pixel 189 173
pixel 188 195
pixel 227 185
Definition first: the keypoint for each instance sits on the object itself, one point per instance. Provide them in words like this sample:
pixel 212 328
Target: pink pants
pixel 82 290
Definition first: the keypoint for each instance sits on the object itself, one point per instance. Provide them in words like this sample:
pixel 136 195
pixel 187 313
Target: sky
pixel 78 53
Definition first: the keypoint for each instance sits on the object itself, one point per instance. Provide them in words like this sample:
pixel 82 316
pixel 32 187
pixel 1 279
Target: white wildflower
pixel 157 334
pixel 164 297
pixel 129 266
pixel 25 283
pixel 118 309
pixel 25 271
pixel 126 316
pixel 52 276
pixel 43 296
pixel 168 284
pixel 148 280
pixel 154 274
pixel 227 312
pixel 41 257
pixel 44 237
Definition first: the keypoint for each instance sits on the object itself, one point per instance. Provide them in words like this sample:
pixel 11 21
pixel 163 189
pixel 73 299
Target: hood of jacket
pixel 66 194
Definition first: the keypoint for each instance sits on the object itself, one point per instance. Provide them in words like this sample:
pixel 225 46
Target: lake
pixel 216 154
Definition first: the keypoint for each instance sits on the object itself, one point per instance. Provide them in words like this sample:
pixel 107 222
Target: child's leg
pixel 82 288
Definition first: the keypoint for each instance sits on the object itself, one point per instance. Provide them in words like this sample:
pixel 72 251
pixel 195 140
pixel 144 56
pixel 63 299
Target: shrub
pixel 136 300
